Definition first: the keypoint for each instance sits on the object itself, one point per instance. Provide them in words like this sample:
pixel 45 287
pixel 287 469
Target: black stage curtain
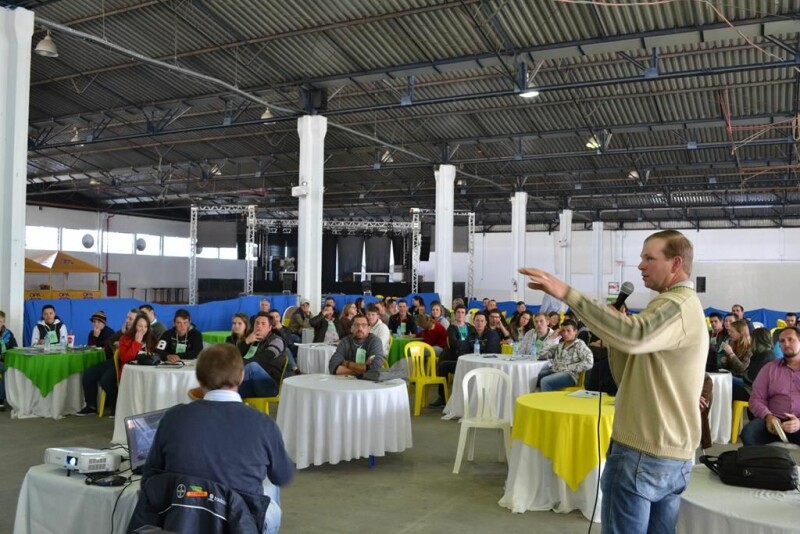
pixel 350 253
pixel 397 247
pixel 328 260
pixel 377 254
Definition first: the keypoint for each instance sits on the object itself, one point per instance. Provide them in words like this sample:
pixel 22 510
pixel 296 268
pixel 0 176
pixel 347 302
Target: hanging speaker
pixel 425 248
pixel 700 284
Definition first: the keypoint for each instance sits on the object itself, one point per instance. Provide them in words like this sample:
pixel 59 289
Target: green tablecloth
pixel 46 369
pixel 215 337
pixel 397 350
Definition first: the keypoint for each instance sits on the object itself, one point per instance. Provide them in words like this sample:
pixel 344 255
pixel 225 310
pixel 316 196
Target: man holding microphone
pixel 658 359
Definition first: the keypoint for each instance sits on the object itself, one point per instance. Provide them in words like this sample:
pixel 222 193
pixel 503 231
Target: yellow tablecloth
pixel 564 429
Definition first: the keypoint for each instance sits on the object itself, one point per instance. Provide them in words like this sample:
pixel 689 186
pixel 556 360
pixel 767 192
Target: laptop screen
pixel 141 430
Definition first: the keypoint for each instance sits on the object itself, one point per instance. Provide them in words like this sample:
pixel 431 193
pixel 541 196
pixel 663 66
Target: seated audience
pixel 240 328
pixel 775 399
pixel 432 332
pixel 460 335
pixel 264 305
pixel 517 313
pixel 522 326
pixel 738 311
pixel 417 305
pixel 437 313
pixel 491 305
pixel 554 320
pixel 496 324
pixel 288 339
pixel 791 319
pixel 763 353
pixel 377 328
pixel 402 323
pixel 181 342
pixel 138 339
pixel 326 329
pixel 358 352
pixel 715 338
pixel 360 306
pixel 738 351
pixel 485 303
pixel 100 333
pixel 332 302
pixel 113 342
pixel 568 359
pixel 259 464
pixel 300 318
pixel 156 326
pixel 7 341
pixel 382 313
pixel 346 318
pixel 50 329
pixel 724 338
pixel 264 354
pixel 391 308
pixel 539 337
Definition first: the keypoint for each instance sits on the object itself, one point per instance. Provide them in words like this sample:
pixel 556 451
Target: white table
pixel 146 388
pixel 313 358
pixel 523 373
pixel 329 419
pixel 719 416
pixel 708 505
pixel 51 502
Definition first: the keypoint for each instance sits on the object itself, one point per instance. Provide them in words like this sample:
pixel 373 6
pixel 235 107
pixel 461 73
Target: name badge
pixel 251 352
pixel 52 337
pixel 180 348
pixel 402 329
pixel 361 356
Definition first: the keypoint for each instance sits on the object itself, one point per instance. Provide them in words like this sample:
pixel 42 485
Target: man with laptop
pixel 195 440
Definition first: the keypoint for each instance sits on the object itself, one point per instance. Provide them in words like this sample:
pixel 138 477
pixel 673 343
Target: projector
pixel 82 459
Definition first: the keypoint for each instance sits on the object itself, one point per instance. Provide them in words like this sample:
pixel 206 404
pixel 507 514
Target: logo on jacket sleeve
pixel 180 491
pixel 196 491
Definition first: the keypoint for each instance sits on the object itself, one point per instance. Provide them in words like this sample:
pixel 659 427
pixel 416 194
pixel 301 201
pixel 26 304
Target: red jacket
pixel 128 350
pixel 436 336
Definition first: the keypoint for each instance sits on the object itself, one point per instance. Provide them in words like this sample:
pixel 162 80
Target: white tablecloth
pixel 523 373
pixel 329 419
pixel 532 485
pixel 719 417
pixel 145 388
pixel 313 358
pixel 708 505
pixel 50 502
pixel 66 397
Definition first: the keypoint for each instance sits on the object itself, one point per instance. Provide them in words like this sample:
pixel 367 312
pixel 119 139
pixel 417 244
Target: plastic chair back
pixel 488 381
pixel 262 403
pixel 415 353
pixel 471 314
pixel 287 315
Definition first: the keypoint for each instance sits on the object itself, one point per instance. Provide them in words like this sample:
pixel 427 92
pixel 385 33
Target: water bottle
pixel 514 349
pixel 476 347
pixel 533 351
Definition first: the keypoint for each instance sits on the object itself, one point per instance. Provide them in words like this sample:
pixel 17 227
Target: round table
pixel 397 348
pixel 217 336
pixel 720 414
pixel 146 388
pixel 708 505
pixel 523 373
pixel 313 358
pixel 329 419
pixel 47 384
pixel 554 456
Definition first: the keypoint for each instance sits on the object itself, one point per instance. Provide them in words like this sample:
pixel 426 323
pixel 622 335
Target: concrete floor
pixel 413 491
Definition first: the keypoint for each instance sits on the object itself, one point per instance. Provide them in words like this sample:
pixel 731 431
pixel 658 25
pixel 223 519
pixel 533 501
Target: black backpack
pixel 758 466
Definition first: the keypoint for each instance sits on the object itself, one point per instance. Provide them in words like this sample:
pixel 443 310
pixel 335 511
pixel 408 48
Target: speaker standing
pixel 658 359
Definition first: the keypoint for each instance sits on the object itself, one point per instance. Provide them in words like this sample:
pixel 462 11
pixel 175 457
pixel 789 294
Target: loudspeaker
pixel 241 240
pixel 700 285
pixel 425 249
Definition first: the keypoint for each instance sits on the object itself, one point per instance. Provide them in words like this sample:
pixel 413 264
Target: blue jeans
pixel 257 382
pixel 549 380
pixel 755 433
pixel 272 521
pixel 641 493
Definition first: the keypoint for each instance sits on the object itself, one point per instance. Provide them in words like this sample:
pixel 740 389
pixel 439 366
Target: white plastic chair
pixel 487 382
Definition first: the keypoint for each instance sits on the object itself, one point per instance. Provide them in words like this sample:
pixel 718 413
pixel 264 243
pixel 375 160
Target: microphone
pixel 624 292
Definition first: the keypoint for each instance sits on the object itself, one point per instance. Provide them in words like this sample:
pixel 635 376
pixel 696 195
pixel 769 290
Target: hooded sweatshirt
pixel 41 330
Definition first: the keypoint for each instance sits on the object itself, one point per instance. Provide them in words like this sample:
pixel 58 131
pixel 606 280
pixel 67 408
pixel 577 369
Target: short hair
pixel 402 301
pixel 146 307
pixel 543 314
pixel 390 300
pixel 676 244
pixel 135 311
pixel 552 313
pixel 520 302
pixel 328 305
pixel 373 308
pixel 265 299
pixel 48 307
pixel 714 314
pixel 182 313
pixel 459 307
pixel 269 313
pixel 791 314
pixel 495 311
pixel 219 366
pixel 492 300
pixel 2 314
pixel 261 314
pixel 729 315
pixel 480 313
pixel 569 322
pixel 359 316
pixel 737 306
pixel 419 299
pixel 795 329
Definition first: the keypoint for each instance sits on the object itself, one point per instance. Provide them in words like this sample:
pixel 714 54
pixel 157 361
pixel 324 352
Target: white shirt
pixel 381 331
pixel 222 395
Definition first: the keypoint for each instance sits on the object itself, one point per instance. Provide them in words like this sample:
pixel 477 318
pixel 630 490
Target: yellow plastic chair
pixel 262 403
pixel 101 406
pixel 580 385
pixel 780 323
pixel 421 373
pixel 287 315
pixel 738 409
pixel 471 314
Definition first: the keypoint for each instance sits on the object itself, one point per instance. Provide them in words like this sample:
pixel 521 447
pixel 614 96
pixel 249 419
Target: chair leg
pixel 471 452
pixel 419 390
pixel 462 442
pixel 507 444
pixel 446 391
pixel 101 406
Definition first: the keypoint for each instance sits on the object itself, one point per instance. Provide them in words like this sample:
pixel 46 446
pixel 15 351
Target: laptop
pixel 141 430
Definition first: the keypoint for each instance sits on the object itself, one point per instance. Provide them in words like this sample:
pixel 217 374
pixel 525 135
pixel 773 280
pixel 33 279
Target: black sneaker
pixel 87 410
pixel 439 403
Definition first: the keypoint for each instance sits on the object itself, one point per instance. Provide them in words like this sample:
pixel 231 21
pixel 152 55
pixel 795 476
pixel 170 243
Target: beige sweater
pixel 657 358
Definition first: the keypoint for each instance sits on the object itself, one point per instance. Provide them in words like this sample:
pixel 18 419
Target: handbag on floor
pixel 758 466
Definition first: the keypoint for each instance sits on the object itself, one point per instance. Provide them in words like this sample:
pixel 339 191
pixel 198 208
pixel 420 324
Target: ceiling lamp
pixel 267 114
pixel 386 157
pixel 593 143
pixel 525 81
pixel 633 175
pixel 46 47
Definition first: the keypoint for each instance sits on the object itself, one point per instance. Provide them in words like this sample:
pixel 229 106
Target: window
pixel 118 243
pixel 150 245
pixel 177 247
pixel 208 253
pixel 41 238
pixel 73 240
pixel 228 253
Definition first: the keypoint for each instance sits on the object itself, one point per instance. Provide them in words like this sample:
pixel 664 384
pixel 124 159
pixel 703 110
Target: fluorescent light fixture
pixel 633 175
pixel 530 92
pixel 593 143
pixel 387 157
pixel 46 47
pixel 267 114
pixel 75 136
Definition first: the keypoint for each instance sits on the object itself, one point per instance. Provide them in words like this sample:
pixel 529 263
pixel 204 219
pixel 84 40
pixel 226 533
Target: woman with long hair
pixel 360 309
pixel 346 317
pixel 437 312
pixel 738 352
pixel 522 327
pixel 240 328
pixel 763 353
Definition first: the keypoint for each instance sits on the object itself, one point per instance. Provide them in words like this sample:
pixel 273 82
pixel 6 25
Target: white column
pixel 311 129
pixel 519 206
pixel 445 178
pixel 597 261
pixel 16 30
pixel 565 244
